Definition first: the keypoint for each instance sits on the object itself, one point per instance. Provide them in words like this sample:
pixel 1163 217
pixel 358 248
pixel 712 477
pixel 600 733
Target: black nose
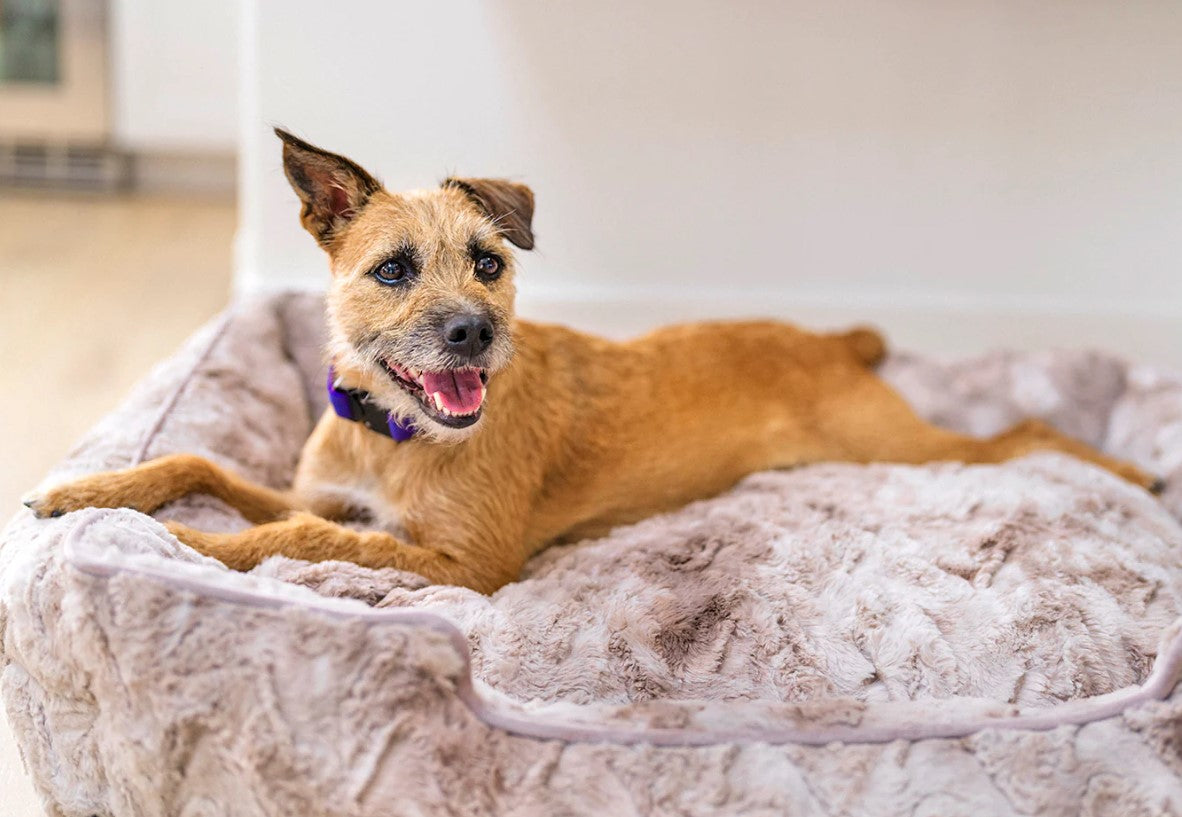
pixel 468 335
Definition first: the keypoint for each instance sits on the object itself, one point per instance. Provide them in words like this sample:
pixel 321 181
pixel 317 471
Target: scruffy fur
pixel 577 433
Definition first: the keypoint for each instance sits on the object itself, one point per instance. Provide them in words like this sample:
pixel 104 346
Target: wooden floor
pixel 93 291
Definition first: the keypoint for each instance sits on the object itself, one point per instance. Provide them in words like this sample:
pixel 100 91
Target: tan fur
pixel 578 433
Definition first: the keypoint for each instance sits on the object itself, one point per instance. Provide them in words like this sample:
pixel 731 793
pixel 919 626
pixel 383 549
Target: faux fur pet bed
pixel 884 640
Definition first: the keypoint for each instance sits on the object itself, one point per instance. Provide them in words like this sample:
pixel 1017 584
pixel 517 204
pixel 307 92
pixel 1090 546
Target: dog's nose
pixel 468 335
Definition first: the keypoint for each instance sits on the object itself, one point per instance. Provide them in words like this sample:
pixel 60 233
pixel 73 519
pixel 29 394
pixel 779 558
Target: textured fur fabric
pixel 831 640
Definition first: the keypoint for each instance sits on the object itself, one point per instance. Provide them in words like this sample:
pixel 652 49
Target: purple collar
pixel 354 404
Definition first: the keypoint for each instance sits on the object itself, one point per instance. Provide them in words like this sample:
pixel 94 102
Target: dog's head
pixel 421 299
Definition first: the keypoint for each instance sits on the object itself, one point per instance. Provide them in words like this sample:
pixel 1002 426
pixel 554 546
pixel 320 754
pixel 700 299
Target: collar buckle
pixel 354 405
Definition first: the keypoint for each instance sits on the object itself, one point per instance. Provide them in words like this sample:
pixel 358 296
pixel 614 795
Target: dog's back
pixel 646 425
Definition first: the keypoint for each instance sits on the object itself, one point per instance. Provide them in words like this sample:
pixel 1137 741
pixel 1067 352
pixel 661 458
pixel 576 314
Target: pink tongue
pixel 461 391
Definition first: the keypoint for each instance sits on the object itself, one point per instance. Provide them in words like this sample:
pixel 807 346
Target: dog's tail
pixel 867 344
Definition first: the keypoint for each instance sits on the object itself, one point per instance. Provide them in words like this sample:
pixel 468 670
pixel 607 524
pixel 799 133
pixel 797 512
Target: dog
pixel 470 439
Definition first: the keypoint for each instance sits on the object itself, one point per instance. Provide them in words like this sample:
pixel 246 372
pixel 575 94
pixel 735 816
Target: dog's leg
pixel 1027 437
pixel 306 536
pixel 148 486
pixel 871 423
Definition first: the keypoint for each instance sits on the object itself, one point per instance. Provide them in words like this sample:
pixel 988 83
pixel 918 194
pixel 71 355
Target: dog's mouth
pixel 451 397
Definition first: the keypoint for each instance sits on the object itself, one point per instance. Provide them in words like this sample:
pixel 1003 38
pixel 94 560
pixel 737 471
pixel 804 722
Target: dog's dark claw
pixel 1158 487
pixel 28 503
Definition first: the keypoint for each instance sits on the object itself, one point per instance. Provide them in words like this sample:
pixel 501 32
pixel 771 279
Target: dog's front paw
pixel 61 500
pixel 40 505
pixel 97 491
pixel 207 544
pixel 202 542
pixel 1150 482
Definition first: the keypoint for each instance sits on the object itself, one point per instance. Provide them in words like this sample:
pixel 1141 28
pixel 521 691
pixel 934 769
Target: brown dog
pixel 525 434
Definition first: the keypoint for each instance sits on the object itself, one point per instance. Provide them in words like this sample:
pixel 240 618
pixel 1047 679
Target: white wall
pixel 174 75
pixel 965 174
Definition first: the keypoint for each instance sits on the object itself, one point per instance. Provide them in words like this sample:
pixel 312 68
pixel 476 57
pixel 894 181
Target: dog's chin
pixel 450 400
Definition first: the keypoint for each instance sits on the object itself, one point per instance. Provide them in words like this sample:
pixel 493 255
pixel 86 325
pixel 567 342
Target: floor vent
pixel 63 167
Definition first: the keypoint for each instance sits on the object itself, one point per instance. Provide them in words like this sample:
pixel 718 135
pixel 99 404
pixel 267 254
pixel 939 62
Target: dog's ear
pixel 508 204
pixel 333 189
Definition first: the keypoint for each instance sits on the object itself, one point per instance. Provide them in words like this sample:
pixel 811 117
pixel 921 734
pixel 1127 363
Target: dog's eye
pixel 488 267
pixel 390 272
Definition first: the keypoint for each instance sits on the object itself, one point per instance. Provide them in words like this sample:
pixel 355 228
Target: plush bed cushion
pixel 1041 580
pixel 834 586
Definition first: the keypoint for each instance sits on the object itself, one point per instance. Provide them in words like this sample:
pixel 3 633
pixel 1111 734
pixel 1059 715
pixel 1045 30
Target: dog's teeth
pixel 483 392
pixel 438 398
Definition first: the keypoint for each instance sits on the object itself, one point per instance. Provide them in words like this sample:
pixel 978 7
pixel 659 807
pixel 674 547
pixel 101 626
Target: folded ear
pixel 508 204
pixel 333 189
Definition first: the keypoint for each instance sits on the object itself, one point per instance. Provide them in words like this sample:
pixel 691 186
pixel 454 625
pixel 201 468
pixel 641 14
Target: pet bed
pixel 939 640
